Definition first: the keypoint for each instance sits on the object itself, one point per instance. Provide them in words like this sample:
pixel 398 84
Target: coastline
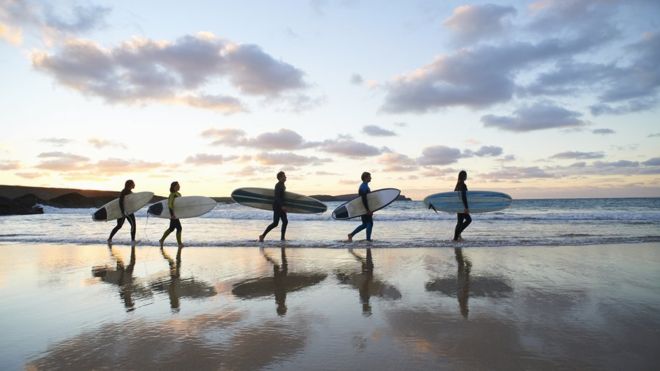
pixel 87 306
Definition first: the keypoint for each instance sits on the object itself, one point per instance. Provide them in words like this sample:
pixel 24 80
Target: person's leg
pixel 131 221
pixel 459 223
pixel 167 232
pixel 359 227
pixel 120 223
pixel 466 221
pixel 285 222
pixel 179 229
pixel 276 220
pixel 369 222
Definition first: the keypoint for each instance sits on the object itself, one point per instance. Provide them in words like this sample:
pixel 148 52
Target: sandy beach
pixel 564 307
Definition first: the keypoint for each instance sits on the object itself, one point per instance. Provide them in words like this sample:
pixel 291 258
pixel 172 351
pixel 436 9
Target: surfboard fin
pixel 433 207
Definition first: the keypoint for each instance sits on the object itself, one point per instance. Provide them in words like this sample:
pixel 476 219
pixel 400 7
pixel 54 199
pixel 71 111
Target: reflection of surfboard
pixel 132 203
pixel 184 207
pixel 478 201
pixel 262 198
pixel 377 200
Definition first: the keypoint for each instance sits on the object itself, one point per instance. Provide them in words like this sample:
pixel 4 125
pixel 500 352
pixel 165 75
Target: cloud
pixel 654 135
pixel 61 161
pixel 290 159
pixel 30 175
pixel 539 116
pixel 349 148
pixel 9 165
pixel 397 162
pixel 114 166
pixel 439 155
pixel 576 155
pixel 484 151
pixel 281 139
pixel 102 143
pixel 517 173
pixel 208 159
pixel 27 16
pixel 142 70
pixel 376 131
pixel 58 142
pixel 652 162
pixel 356 79
pixel 603 131
pixel 472 23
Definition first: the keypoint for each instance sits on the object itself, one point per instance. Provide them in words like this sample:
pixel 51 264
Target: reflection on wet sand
pixel 464 285
pixel 211 341
pixel 177 287
pixel 122 276
pixel 365 283
pixel 279 285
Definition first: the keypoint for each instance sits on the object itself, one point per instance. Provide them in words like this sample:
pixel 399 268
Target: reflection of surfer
pixel 121 276
pixel 462 219
pixel 128 187
pixel 175 223
pixel 279 277
pixel 368 277
pixel 367 219
pixel 279 211
pixel 463 281
pixel 175 269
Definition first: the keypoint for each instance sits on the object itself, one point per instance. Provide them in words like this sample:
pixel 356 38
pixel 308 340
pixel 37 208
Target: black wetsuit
pixel 367 220
pixel 120 221
pixel 278 212
pixel 462 219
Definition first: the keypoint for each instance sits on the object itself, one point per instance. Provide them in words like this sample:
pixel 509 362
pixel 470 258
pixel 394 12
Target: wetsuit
pixel 462 219
pixel 278 212
pixel 120 222
pixel 367 220
pixel 174 223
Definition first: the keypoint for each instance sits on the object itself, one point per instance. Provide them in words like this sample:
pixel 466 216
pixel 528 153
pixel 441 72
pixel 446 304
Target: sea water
pixel 402 224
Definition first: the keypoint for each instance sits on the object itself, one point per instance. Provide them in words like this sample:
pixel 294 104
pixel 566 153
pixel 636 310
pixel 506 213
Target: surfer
pixel 463 219
pixel 128 189
pixel 279 211
pixel 367 219
pixel 175 223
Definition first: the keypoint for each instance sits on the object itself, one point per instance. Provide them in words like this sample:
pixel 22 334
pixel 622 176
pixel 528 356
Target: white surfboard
pixel 184 207
pixel 262 198
pixel 478 201
pixel 132 203
pixel 377 200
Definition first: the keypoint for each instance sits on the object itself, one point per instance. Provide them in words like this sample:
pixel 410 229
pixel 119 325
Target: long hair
pixel 462 175
pixel 173 185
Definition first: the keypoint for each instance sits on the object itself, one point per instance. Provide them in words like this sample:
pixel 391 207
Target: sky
pixel 538 99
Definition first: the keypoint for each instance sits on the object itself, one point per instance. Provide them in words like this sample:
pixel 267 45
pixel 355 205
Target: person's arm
pixel 464 196
pixel 121 203
pixel 170 205
pixel 363 196
pixel 279 196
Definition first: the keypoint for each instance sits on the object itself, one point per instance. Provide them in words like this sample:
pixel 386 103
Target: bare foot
pixel 350 238
pixel 261 238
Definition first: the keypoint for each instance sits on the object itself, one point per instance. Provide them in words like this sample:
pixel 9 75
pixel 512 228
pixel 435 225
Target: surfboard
pixel 478 201
pixel 184 207
pixel 262 198
pixel 132 203
pixel 377 200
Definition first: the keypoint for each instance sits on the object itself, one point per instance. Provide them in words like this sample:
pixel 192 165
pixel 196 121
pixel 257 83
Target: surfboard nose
pixel 155 209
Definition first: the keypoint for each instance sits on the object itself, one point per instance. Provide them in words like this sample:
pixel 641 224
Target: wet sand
pixel 90 307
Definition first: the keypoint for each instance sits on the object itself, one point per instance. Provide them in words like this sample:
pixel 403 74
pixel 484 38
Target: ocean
pixel 402 224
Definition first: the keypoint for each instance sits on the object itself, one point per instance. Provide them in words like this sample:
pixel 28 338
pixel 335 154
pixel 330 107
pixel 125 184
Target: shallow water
pixel 402 224
pixel 88 306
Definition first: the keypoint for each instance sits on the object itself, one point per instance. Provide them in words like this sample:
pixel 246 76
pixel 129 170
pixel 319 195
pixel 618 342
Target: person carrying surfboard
pixel 175 223
pixel 462 219
pixel 128 189
pixel 367 219
pixel 279 211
